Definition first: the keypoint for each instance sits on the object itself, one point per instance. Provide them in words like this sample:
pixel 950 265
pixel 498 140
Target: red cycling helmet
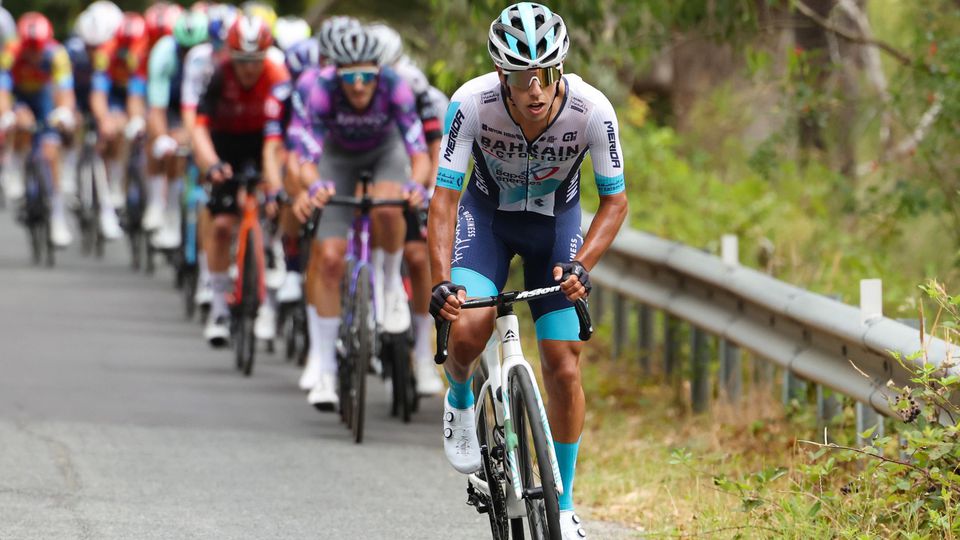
pixel 249 36
pixel 160 18
pixel 34 30
pixel 132 29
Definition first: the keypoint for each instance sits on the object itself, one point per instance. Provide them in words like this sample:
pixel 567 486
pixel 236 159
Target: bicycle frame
pixel 249 224
pixel 505 345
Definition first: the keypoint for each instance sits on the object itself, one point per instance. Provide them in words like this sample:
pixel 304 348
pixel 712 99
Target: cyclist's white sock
pixel 204 276
pixel 391 270
pixel 68 170
pixel 156 186
pixel 174 191
pixel 422 332
pixel 57 210
pixel 376 262
pixel 221 283
pixel 115 174
pixel 323 339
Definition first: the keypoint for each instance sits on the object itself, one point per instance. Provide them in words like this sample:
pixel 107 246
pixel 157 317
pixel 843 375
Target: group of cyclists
pixel 226 87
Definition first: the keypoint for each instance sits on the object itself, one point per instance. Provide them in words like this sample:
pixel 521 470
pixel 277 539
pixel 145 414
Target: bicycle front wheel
pixel 533 456
pixel 363 323
pixel 249 302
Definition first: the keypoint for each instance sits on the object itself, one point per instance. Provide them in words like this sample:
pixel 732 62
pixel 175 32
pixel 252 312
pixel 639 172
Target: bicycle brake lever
pixel 443 337
pixel 583 316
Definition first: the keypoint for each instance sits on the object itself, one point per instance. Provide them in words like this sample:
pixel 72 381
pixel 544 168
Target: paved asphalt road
pixel 117 421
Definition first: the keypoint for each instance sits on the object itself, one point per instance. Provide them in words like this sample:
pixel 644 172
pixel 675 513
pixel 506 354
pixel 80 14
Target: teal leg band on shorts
pixel 476 283
pixel 561 325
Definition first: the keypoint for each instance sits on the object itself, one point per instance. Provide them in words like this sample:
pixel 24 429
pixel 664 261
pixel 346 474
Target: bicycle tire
pixel 84 209
pixel 190 281
pixel 492 453
pixel 402 379
pixel 365 334
pixel 543 513
pixel 249 302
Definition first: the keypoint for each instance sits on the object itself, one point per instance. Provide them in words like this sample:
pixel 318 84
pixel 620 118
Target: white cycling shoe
pixel 59 232
pixel 152 217
pixel 460 442
pixel 110 225
pixel 265 327
pixel 311 374
pixel 571 527
pixel 428 380
pixel 217 331
pixel 396 312
pixel 168 236
pixel 323 396
pixel 291 290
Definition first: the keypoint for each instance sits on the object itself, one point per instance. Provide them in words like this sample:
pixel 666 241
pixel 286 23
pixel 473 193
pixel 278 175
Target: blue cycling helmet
pixel 527 36
pixel 221 17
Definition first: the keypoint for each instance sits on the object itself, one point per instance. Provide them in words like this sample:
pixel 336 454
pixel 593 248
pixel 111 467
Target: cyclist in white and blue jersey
pixel 528 127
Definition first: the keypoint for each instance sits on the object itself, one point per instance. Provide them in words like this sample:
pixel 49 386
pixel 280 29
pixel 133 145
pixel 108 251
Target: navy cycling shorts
pixel 486 241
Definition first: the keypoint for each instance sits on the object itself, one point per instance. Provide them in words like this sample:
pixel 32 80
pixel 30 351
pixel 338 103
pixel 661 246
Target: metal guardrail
pixel 812 336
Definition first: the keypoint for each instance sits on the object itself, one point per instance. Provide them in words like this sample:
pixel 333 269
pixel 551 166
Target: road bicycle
pixel 186 260
pixel 91 185
pixel 519 481
pixel 141 253
pixel 357 340
pixel 35 210
pixel 249 289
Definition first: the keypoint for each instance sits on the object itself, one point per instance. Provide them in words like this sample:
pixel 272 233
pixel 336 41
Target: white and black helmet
pixel 391 44
pixel 353 46
pixel 527 36
pixel 331 28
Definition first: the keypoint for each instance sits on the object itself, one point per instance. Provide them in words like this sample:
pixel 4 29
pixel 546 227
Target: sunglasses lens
pixel 523 79
pixel 351 77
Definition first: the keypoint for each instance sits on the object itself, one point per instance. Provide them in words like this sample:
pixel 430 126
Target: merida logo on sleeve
pixel 612 140
pixel 452 135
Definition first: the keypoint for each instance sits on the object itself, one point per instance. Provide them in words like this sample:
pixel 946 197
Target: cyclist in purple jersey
pixel 349 117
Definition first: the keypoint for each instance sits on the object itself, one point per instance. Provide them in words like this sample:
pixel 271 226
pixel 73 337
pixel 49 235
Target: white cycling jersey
pixel 542 175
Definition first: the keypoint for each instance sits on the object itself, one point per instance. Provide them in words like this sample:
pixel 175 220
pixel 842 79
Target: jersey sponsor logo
pixel 555 153
pixel 452 135
pixel 570 136
pixel 612 140
pixel 480 181
pixel 578 105
pixel 488 97
pixel 466 231
pixel 542 172
pixel 501 149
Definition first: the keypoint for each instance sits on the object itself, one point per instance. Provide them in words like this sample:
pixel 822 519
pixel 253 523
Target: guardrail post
pixel 828 406
pixel 700 379
pixel 645 337
pixel 793 387
pixel 732 378
pixel 620 320
pixel 596 308
pixel 730 375
pixel 670 347
pixel 868 418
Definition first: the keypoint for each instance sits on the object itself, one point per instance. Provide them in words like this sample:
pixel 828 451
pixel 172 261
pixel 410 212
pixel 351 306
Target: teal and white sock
pixel 567 462
pixel 460 395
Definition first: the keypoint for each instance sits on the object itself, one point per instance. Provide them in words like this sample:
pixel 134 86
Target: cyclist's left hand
pixel 574 279
pixel 415 194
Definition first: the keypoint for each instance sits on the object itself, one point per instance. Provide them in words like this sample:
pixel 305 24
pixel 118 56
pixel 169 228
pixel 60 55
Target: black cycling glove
pixel 439 296
pixel 575 268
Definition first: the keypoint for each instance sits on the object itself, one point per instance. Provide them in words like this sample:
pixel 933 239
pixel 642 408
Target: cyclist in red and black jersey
pixel 238 122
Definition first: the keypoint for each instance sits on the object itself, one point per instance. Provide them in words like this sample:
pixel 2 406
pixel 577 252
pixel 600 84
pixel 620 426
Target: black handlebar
pixel 504 304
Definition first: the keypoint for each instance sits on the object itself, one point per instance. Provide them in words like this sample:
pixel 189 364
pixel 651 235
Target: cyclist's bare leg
pixel 221 237
pixel 326 271
pixel 327 266
pixel 468 338
pixel 561 378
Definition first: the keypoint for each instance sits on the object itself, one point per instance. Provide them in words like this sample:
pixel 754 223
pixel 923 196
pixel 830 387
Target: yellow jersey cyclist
pixel 528 127
pixel 37 103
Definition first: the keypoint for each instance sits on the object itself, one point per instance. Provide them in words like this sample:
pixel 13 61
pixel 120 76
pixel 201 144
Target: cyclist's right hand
pixel 320 193
pixel 220 172
pixel 302 207
pixel 446 299
pixel 107 128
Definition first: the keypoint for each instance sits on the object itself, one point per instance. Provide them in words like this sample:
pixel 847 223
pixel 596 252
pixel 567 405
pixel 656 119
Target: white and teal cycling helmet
pixel 391 44
pixel 330 31
pixel 528 36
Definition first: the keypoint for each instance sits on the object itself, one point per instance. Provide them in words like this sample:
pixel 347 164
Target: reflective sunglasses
pixel 366 75
pixel 247 58
pixel 523 79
